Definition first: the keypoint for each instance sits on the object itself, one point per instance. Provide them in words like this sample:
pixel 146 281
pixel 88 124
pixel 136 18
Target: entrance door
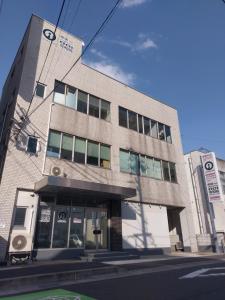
pixel 96 228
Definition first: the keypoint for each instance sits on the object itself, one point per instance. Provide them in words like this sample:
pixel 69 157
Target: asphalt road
pixel 164 285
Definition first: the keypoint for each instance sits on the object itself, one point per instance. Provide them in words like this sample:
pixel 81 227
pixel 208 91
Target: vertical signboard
pixel 212 178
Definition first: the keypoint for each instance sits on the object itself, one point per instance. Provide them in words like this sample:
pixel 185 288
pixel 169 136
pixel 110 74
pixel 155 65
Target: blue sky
pixel 171 50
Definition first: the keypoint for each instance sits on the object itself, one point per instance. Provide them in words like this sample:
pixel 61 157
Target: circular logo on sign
pixel 208 165
pixel 50 35
pixel 62 215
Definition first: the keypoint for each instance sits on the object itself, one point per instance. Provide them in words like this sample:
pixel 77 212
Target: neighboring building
pixel 199 198
pixel 95 165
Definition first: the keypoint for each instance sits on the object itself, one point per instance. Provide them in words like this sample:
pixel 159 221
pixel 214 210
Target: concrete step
pixel 106 254
pixel 115 258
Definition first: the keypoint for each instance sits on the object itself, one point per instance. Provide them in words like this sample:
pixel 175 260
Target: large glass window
pixel 143 165
pixel 59 93
pixel 168 134
pixel 71 96
pixel 150 166
pixel 125 161
pixel 61 222
pixel 161 131
pixel 82 102
pixel 76 227
pixel 140 124
pixel 134 163
pixel 93 106
pixel 154 131
pixel 79 150
pixel 92 153
pixel 146 126
pixel 105 156
pixel 67 147
pixel 123 117
pixel 132 120
pixel 157 171
pixel 105 110
pixel 54 144
pixel 173 175
pixel 166 172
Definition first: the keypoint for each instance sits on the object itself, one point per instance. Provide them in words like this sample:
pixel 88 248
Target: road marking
pixel 200 273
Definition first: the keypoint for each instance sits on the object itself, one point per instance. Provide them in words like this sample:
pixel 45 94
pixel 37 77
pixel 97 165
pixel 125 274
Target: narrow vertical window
pixel 79 150
pixel 166 172
pixel 124 161
pixel 82 102
pixel 146 126
pixel 132 120
pixel 59 92
pixel 134 163
pixel 150 166
pixel 40 90
pixel 20 215
pixel 93 106
pixel 105 110
pixel 140 124
pixel 92 153
pixel 32 144
pixel 105 156
pixel 168 134
pixel 161 131
pixel 123 117
pixel 70 96
pixel 157 170
pixel 143 165
pixel 154 131
pixel 67 147
pixel 54 144
pixel 173 175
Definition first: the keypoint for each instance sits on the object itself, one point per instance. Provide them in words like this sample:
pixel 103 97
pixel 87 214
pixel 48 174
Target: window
pixel 134 163
pixel 173 176
pixel 59 93
pixel 154 132
pixel 166 172
pixel 157 171
pixel 80 150
pixel 146 126
pixel 168 134
pixel 82 102
pixel 105 110
pixel 54 144
pixel 150 166
pixel 20 215
pixel 93 106
pixel 32 144
pixel 140 124
pixel 92 153
pixel 143 166
pixel 161 132
pixel 105 156
pixel 122 117
pixel 132 120
pixel 70 96
pixel 124 161
pixel 40 90
pixel 67 147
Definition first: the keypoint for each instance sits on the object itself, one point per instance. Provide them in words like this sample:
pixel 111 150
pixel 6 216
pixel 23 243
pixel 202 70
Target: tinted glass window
pixel 80 150
pixel 154 131
pixel 67 147
pixel 54 144
pixel 105 110
pixel 140 124
pixel 157 171
pixel 20 216
pixel 150 167
pixel 92 153
pixel 134 163
pixel 122 117
pixel 166 172
pixel 105 156
pixel 59 93
pixel 82 102
pixel 146 126
pixel 168 134
pixel 40 90
pixel 173 175
pixel 143 166
pixel 132 120
pixel 32 144
pixel 93 106
pixel 124 161
pixel 70 96
pixel 161 131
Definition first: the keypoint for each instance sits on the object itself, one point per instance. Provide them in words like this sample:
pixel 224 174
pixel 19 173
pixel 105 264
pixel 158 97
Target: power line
pixel 100 29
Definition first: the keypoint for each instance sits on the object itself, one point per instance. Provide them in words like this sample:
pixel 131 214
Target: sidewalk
pixel 38 275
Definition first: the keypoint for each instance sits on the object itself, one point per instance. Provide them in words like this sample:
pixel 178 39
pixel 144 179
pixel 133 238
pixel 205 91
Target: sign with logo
pixel 45 216
pixel 212 178
pixel 50 35
pixel 62 217
pixel 66 44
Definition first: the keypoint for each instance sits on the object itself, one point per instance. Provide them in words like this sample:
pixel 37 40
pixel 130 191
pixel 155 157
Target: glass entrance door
pixel 96 228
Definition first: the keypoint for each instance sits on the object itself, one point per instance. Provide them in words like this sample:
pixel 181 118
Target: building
pixel 94 164
pixel 208 217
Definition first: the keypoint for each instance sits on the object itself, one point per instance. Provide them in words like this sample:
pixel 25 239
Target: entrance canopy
pixel 53 184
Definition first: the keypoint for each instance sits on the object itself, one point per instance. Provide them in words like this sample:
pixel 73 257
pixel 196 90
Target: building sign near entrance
pixel 212 178
pixel 45 216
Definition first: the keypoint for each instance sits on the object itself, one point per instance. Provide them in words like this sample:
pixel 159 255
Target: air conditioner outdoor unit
pixel 20 242
pixel 56 171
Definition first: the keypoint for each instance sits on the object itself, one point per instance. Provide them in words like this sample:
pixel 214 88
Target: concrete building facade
pixel 209 228
pixel 93 165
